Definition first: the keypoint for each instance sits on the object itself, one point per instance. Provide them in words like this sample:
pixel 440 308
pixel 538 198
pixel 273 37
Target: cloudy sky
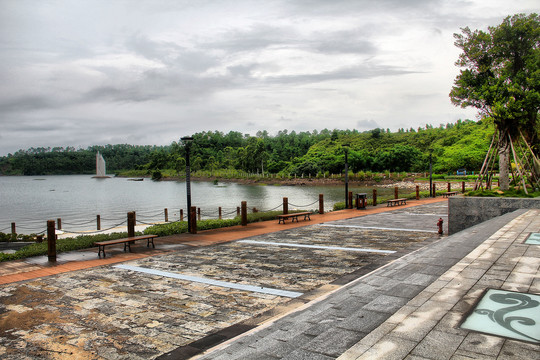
pixel 85 72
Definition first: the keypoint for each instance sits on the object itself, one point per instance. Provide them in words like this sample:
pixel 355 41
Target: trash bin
pixel 361 200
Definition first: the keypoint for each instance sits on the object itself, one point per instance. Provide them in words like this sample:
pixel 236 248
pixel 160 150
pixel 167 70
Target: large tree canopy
pixel 501 78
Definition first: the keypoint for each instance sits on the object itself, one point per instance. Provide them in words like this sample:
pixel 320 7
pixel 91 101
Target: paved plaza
pixel 358 285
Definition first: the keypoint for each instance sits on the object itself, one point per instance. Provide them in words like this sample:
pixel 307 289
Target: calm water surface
pixel 30 201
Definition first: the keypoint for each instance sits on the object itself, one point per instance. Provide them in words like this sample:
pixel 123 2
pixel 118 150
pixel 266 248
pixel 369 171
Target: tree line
pixel 452 146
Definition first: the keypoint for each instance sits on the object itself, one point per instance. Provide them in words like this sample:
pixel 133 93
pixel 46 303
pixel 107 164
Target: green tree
pixel 501 78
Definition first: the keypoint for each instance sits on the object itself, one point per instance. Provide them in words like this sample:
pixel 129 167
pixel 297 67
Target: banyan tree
pixel 500 76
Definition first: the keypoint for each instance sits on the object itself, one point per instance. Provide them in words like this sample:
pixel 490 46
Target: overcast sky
pixel 90 72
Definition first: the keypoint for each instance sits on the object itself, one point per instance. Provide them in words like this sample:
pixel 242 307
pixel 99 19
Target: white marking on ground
pixel 251 288
pixel 316 246
pixel 377 228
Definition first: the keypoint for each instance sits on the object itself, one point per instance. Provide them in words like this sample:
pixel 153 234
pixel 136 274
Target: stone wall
pixel 465 211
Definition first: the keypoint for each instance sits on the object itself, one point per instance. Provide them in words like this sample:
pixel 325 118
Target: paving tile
pixel 385 304
pixel 333 342
pixel 482 344
pixel 439 345
pixel 389 348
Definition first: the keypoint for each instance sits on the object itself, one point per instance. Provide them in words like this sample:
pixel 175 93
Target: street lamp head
pixel 187 139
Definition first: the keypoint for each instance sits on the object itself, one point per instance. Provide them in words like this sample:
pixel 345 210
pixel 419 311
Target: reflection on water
pixel 31 201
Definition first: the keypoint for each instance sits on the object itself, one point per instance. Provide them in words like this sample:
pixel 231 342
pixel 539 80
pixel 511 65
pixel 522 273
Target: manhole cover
pixel 533 239
pixel 507 313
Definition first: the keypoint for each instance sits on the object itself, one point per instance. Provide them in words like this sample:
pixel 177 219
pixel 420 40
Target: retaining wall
pixel 465 211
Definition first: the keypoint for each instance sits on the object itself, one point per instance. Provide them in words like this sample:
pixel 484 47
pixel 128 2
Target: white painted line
pixel 270 291
pixel 316 246
pixel 377 228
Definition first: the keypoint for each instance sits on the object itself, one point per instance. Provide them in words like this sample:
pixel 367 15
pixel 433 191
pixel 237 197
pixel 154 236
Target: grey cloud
pixel 366 125
pixel 364 71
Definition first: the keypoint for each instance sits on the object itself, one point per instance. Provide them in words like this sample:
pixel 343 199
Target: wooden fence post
pixel 417 192
pixel 199 214
pixel 396 192
pixel 321 203
pixel 59 224
pixel 434 190
pixel 131 220
pixel 350 200
pixel 166 212
pixel 98 222
pixel 193 217
pixel 374 197
pixel 244 213
pixel 13 232
pixel 181 214
pixel 219 212
pixel 285 206
pixel 449 187
pixel 463 187
pixel 51 241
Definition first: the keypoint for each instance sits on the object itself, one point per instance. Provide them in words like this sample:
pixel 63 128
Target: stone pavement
pixel 354 302
pixel 412 308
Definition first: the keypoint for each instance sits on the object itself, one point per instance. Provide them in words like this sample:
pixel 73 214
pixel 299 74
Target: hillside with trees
pixel 453 146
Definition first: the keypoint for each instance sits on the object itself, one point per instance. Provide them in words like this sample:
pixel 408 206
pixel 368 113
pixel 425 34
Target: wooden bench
pixel 450 193
pixel 294 216
pixel 396 202
pixel 126 241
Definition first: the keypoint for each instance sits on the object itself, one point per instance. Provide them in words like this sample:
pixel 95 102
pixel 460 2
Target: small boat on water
pixel 101 172
pixel 138 179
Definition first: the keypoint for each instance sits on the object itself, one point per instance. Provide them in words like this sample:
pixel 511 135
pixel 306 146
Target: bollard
pixel 396 192
pixel 51 241
pixel 219 211
pixel 244 213
pixel 440 225
pixel 181 214
pixel 449 187
pixel 374 197
pixel 13 232
pixel 285 206
pixel 166 214
pixel 98 222
pixel 199 214
pixel 131 223
pixel 417 192
pixel 193 218
pixel 321 204
pixel 350 204
pixel 463 187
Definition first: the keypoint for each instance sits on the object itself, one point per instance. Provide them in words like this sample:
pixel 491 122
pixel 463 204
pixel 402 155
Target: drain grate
pixel 533 239
pixel 507 313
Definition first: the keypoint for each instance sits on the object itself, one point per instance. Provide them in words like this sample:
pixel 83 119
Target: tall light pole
pixel 187 143
pixel 430 176
pixel 346 148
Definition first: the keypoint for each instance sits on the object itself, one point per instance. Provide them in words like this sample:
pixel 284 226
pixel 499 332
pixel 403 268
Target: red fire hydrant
pixel 440 224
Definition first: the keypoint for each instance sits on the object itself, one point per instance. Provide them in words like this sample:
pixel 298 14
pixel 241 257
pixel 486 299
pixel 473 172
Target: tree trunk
pixel 504 162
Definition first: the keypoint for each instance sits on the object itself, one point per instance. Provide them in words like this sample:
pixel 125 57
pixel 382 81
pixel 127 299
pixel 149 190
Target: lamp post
pixel 430 176
pixel 346 148
pixel 187 143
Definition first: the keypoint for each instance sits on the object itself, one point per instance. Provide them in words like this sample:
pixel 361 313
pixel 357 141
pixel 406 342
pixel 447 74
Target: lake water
pixel 30 201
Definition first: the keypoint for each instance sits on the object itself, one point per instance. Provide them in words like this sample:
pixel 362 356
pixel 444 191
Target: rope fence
pixel 146 217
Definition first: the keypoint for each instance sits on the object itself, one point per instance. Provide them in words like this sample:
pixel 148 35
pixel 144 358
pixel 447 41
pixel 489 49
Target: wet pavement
pixel 117 313
pixel 333 287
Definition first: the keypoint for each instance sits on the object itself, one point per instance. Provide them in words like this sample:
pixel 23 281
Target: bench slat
pixel 126 241
pixel 294 216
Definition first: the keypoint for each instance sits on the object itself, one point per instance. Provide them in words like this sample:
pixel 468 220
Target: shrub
pixel 62 245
